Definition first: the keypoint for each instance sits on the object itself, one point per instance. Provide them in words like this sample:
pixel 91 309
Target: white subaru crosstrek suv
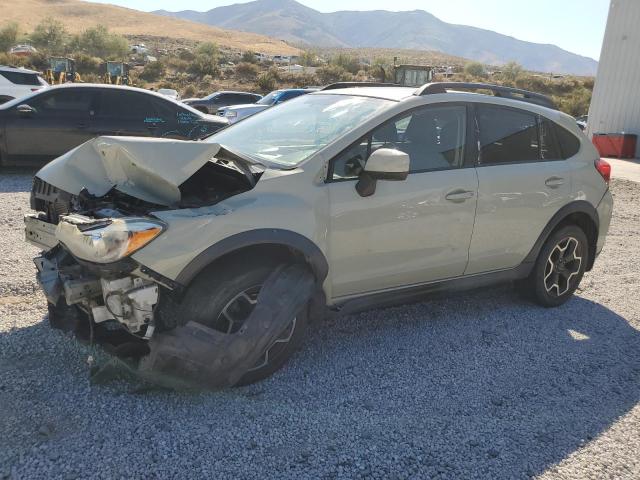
pixel 213 255
pixel 19 82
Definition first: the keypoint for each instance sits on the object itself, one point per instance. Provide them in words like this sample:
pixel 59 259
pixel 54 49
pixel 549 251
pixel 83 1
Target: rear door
pixel 62 120
pixel 127 112
pixel 523 182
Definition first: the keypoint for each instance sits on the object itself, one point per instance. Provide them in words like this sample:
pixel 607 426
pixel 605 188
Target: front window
pixel 293 131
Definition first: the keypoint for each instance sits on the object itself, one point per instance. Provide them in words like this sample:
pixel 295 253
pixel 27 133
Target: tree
pixel 475 69
pixel 50 34
pixel 512 71
pixel 98 42
pixel 8 36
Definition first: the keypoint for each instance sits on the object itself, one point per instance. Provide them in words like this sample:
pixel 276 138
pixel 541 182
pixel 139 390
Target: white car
pixel 19 82
pixel 169 92
pixel 235 113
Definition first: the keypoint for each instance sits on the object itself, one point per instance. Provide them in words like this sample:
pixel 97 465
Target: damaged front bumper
pixel 129 300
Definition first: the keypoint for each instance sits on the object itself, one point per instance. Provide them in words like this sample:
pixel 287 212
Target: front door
pixel 62 120
pixel 412 231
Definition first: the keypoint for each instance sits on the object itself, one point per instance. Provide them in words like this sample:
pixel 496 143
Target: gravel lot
pixel 483 385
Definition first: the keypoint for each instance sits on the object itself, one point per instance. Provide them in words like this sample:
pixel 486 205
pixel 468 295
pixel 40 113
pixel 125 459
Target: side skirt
pixel 418 293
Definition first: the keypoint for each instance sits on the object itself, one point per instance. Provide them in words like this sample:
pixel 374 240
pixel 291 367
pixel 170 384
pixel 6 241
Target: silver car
pixel 214 255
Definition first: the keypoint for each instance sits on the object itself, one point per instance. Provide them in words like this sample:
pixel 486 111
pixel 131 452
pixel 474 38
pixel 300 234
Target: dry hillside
pixel 78 15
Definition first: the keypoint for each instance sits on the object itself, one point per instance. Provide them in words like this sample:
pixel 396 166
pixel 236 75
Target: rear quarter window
pixel 21 78
pixel 569 143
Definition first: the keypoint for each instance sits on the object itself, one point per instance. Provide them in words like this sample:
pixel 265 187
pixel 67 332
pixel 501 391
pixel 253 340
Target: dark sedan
pixel 211 103
pixel 43 126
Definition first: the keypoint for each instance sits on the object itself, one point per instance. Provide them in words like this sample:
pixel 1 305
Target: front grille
pixel 49 199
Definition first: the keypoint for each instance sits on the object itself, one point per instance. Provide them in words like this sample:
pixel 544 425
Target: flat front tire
pixel 223 297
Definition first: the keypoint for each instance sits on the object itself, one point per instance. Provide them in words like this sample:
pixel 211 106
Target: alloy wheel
pixel 235 313
pixel 563 265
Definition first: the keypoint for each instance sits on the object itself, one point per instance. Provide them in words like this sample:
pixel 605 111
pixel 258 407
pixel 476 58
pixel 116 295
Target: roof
pixel 6 68
pixel 387 93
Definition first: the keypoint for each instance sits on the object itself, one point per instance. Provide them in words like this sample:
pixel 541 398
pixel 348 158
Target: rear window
pixel 125 104
pixel 21 78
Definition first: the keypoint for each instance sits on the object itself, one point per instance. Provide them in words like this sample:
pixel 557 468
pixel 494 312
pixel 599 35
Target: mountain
pixel 294 22
pixel 77 16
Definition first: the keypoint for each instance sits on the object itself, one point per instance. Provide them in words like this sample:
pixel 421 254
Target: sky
pixel 574 25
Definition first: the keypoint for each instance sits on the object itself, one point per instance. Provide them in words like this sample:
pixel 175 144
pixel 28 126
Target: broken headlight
pixel 106 241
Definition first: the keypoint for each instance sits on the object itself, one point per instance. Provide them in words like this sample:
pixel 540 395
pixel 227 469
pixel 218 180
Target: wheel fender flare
pixel 265 236
pixel 578 206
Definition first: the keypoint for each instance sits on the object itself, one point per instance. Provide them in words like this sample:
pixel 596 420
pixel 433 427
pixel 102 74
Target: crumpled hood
pixel 150 169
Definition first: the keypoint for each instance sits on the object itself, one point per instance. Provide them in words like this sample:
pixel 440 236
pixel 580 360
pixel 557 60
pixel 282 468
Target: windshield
pixel 269 99
pixel 293 131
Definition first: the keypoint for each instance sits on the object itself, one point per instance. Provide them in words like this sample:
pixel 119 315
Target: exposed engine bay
pixel 87 239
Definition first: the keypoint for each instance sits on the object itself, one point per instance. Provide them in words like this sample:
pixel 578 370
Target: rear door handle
pixel 459 195
pixel 554 182
pixel 82 126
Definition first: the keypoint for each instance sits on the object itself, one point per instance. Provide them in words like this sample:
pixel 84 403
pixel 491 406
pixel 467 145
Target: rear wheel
pixel 560 266
pixel 223 297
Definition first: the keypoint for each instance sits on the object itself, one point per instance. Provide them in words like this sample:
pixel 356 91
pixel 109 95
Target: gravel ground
pixel 483 385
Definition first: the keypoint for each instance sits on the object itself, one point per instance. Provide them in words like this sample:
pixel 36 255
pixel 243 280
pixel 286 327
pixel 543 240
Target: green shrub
pixel 189 91
pixel 87 64
pixel 348 63
pixel 8 36
pixel 153 71
pixel 475 69
pixel 332 74
pixel 266 82
pixel 249 57
pixel 209 49
pixel 204 65
pixel 246 72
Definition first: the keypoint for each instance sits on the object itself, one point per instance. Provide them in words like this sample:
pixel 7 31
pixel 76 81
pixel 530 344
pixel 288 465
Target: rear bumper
pixel 605 210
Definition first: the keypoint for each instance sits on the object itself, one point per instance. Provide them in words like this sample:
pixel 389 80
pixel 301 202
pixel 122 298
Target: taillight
pixel 604 169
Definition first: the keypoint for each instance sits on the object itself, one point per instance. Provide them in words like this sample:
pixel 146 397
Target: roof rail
pixel 498 91
pixel 338 85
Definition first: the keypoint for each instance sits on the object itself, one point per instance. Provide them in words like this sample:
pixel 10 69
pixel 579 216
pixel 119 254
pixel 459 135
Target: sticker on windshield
pixel 186 117
pixel 154 120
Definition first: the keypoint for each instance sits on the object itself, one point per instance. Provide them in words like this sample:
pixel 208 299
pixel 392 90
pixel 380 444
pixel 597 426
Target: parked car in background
pixel 44 125
pixel 169 92
pixel 211 103
pixel 380 194
pixel 238 112
pixel 582 121
pixel 23 50
pixel 19 82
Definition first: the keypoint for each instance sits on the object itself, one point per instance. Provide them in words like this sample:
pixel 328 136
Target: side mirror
pixel 25 110
pixel 383 164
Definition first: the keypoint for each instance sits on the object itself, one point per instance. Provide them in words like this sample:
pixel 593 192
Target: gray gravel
pixel 483 385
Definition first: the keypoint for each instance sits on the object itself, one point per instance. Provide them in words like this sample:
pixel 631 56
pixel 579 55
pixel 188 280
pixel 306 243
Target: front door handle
pixel 554 182
pixel 82 126
pixel 459 195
